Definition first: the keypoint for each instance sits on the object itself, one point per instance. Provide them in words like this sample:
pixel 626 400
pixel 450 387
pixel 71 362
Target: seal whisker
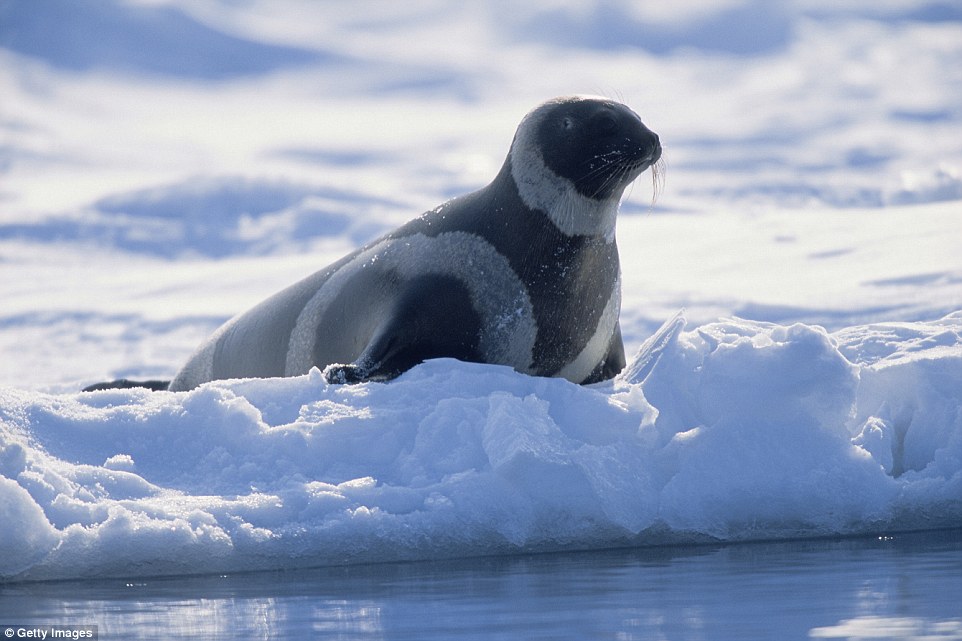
pixel 658 171
pixel 617 171
pixel 610 168
pixel 614 178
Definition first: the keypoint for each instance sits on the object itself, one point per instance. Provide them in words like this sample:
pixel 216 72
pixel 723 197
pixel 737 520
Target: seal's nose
pixel 654 147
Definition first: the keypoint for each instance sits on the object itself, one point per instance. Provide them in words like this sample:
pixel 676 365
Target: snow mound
pixel 943 183
pixel 738 430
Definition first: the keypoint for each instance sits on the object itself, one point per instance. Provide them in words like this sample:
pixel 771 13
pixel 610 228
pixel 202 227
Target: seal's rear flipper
pixel 123 383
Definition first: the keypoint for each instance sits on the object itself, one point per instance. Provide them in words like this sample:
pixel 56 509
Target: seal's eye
pixel 605 123
pixel 568 123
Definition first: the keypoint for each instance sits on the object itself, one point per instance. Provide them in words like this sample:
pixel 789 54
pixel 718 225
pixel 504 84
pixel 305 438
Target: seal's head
pixel 573 157
pixel 598 145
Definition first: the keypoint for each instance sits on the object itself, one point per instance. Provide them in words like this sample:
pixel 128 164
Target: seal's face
pixel 599 145
pixel 572 158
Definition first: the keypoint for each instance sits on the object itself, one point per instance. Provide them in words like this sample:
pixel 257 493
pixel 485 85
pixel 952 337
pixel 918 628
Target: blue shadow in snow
pixel 105 34
pixel 211 217
pixel 755 28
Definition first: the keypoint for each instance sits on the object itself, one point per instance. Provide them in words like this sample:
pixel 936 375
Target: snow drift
pixel 741 430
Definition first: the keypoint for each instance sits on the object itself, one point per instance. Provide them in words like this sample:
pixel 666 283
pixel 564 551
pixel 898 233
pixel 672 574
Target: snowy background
pixel 165 164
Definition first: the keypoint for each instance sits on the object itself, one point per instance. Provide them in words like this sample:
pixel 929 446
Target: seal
pixel 523 272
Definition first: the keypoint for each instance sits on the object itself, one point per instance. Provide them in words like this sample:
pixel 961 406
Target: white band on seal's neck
pixel 542 189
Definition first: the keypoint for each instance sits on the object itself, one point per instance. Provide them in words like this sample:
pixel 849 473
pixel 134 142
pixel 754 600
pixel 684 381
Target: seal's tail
pixel 124 383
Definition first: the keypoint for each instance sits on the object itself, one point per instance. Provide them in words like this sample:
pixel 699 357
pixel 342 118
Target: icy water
pixel 902 586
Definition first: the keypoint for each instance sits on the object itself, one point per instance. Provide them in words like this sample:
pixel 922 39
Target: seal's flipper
pixel 123 383
pixel 613 362
pixel 433 317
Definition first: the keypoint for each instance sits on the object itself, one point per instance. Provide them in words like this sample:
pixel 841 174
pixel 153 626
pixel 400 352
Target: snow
pixel 184 160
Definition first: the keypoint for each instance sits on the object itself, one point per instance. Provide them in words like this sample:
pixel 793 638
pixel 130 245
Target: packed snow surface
pixel 740 430
pixel 166 164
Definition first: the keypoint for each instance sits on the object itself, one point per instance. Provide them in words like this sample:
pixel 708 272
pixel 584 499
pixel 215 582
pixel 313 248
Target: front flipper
pixel 613 362
pixel 431 317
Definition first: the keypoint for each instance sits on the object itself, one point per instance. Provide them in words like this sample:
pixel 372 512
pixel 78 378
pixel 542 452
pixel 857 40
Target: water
pixel 902 586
